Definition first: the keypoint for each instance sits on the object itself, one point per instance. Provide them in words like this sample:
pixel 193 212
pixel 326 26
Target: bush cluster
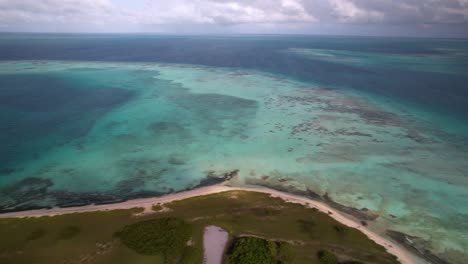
pixel 252 250
pixel 327 257
pixel 165 236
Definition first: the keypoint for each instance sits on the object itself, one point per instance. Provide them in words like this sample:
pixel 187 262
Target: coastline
pixel 403 255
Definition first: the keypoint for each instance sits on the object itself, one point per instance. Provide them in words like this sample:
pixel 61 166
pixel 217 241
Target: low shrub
pixel 36 234
pixel 157 207
pixel 69 232
pixel 327 257
pixel 340 229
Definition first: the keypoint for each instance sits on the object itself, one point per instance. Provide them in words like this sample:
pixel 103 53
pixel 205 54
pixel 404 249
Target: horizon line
pixel 231 34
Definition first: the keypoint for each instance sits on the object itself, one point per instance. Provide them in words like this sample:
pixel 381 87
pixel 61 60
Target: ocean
pixel 377 126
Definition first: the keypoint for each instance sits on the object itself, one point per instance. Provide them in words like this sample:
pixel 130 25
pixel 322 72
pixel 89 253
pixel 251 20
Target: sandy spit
pixel 404 256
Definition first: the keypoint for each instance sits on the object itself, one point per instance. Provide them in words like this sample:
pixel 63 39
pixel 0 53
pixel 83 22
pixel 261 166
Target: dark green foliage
pixel 327 257
pixel 265 211
pixel 165 236
pixel 307 226
pixel 340 229
pixel 191 255
pixel 253 250
pixel 352 262
pixel 36 234
pixel 285 252
pixel 69 232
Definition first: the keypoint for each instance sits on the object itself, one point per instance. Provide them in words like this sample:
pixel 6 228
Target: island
pixel 212 224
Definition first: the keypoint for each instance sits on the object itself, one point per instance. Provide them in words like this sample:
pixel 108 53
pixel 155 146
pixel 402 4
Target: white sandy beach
pixel 404 256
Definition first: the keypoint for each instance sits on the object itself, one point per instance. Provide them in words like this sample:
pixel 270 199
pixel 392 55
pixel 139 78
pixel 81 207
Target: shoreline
pixel 403 255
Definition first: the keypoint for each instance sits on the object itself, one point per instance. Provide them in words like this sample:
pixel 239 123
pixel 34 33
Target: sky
pixel 425 18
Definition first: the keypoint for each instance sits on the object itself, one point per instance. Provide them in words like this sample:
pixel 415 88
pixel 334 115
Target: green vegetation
pixel 341 229
pixel 166 236
pixel 327 257
pixel 156 207
pixel 253 250
pixel 36 234
pixel 91 237
pixel 191 255
pixel 69 232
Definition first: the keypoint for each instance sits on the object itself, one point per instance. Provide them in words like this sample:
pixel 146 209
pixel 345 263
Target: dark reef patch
pixel 24 191
pixel 171 132
pixel 73 199
pixel 175 160
pixel 163 127
pixel 7 171
pixel 216 177
pixel 416 245
pixel 140 171
pixel 361 214
pixel 331 102
pixel 26 194
pixel 144 194
pixel 213 111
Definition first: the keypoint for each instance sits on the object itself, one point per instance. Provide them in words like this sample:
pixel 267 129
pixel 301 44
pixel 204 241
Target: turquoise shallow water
pixel 76 132
pixel 452 61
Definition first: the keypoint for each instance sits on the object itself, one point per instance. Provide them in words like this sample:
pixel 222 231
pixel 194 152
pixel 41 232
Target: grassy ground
pixel 90 237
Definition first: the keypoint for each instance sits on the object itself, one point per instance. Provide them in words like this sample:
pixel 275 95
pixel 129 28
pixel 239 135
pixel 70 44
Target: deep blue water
pixel 442 91
pixel 48 111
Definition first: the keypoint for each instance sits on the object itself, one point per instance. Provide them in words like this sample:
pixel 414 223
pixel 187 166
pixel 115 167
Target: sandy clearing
pixel 214 243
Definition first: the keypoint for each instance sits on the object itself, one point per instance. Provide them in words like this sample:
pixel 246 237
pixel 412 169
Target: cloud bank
pixel 257 15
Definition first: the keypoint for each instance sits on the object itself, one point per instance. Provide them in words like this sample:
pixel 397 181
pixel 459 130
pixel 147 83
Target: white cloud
pixel 347 11
pixel 226 12
pixel 56 11
pixel 117 14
